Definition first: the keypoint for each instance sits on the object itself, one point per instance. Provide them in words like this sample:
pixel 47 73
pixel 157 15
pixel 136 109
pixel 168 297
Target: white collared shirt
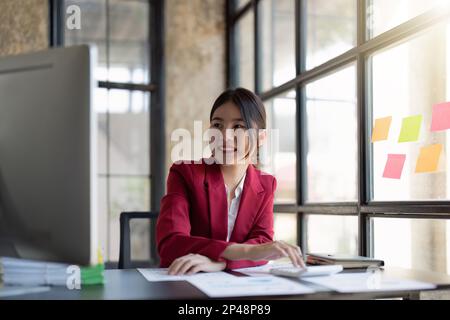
pixel 234 205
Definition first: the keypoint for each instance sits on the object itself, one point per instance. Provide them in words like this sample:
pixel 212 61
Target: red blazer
pixel 193 216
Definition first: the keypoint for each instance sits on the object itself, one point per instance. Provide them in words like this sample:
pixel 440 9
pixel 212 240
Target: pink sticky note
pixel 394 166
pixel 441 117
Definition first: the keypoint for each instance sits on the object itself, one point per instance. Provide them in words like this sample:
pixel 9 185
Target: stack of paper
pixel 347 261
pixel 225 285
pixel 37 273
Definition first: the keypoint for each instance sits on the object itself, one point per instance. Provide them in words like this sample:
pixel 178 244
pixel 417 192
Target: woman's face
pixel 229 139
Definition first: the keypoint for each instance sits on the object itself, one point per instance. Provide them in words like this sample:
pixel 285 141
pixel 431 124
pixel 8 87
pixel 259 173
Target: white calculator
pixel 313 271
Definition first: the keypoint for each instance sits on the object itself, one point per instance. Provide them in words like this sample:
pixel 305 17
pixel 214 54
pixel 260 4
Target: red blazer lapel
pixel 217 201
pixel 251 198
pixel 249 205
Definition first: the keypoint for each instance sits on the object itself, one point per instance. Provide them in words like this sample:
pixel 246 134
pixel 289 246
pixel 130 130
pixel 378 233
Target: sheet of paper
pixel 160 274
pixel 381 129
pixel 428 160
pixel 410 129
pixel 394 166
pixel 367 282
pixel 249 286
pixel 441 117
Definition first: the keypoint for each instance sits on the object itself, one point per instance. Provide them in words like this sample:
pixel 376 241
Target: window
pixel 331 147
pixel 246 51
pixel 121 31
pixel 281 159
pixel 386 14
pixel 422 244
pixel 330 29
pixel 360 93
pixel 278 42
pixel 285 227
pixel 331 234
pixel 408 79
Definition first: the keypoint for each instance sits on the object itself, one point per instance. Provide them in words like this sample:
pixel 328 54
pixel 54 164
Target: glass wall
pixel 120 31
pixel 331 137
pixel 360 98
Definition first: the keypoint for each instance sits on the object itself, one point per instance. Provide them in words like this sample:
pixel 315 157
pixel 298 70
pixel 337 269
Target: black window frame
pixel 364 208
pixel 156 90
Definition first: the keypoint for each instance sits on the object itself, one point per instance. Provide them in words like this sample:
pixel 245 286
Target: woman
pixel 218 213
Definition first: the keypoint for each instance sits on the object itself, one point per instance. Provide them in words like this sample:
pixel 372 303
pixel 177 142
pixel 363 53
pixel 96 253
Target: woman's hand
pixel 267 251
pixel 193 263
pixel 276 250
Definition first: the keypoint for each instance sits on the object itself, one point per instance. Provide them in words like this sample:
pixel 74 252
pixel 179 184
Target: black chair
pixel 125 250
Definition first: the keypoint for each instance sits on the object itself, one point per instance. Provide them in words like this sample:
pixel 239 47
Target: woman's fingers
pixel 177 264
pixel 183 264
pixel 173 268
pixel 186 266
pixel 297 256
pixel 281 252
pixel 195 269
pixel 302 258
pixel 294 254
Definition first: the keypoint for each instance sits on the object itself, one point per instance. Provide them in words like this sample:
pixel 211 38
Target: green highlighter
pixel 93 275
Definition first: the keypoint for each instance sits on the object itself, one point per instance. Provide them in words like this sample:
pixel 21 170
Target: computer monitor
pixel 47 156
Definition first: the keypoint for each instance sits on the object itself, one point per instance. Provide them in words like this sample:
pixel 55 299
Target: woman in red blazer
pixel 218 212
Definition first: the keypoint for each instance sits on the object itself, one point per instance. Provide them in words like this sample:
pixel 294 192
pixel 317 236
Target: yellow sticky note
pixel 99 256
pixel 381 129
pixel 429 158
pixel 410 129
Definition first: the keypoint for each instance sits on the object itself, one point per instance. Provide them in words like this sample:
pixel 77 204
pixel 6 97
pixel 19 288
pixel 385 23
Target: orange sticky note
pixel 381 129
pixel 394 166
pixel 429 158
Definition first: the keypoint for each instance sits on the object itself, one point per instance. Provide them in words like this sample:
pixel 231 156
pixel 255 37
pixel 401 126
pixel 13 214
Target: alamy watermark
pixel 230 146
pixel 73 281
pixel 73 17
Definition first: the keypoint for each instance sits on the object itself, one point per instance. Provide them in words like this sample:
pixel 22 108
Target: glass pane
pixel 329 234
pixel 126 194
pixel 407 81
pixel 278 42
pixel 387 14
pixel 102 215
pixel 246 51
pixel 101 107
pixel 129 132
pixel 331 134
pixel 278 155
pixel 129 41
pixel 93 31
pixel 140 239
pixel 330 29
pixel 422 244
pixel 285 227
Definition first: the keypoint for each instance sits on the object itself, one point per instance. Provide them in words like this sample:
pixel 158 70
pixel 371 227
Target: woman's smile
pixel 227 149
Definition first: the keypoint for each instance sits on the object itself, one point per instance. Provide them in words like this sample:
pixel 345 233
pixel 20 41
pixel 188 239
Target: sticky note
pixel 429 158
pixel 441 117
pixel 410 129
pixel 394 166
pixel 381 129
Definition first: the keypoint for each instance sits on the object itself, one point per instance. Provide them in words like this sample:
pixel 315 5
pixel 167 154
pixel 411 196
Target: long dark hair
pixel 251 108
